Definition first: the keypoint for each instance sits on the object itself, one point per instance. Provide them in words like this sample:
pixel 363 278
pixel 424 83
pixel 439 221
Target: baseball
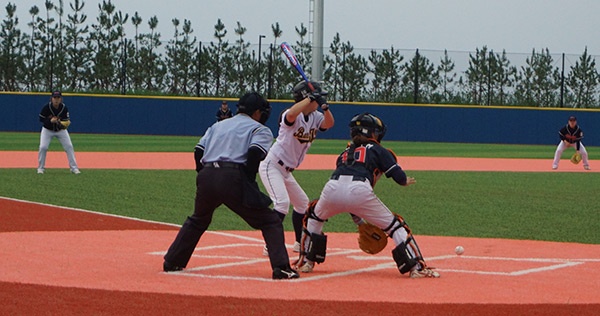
pixel 459 250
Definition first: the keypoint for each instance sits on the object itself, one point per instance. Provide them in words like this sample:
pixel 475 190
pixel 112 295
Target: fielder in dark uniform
pixel 55 120
pixel 227 159
pixel 350 189
pixel 224 112
pixel 571 136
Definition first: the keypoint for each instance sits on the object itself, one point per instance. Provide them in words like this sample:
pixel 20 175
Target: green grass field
pixel 537 206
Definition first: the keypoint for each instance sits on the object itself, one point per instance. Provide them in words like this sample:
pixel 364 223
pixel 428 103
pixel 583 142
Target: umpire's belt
pixel 288 169
pixel 354 177
pixel 223 164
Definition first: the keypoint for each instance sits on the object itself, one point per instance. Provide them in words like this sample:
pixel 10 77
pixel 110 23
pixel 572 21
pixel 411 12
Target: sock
pixel 297 222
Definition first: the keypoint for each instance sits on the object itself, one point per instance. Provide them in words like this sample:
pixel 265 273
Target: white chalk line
pixel 555 263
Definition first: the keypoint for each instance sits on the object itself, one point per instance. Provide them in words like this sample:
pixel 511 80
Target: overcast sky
pixel 518 26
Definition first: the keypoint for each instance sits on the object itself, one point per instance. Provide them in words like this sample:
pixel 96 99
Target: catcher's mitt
pixel 371 239
pixel 576 158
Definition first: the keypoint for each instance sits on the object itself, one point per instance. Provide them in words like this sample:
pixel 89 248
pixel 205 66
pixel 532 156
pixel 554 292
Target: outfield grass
pixel 136 143
pixel 538 206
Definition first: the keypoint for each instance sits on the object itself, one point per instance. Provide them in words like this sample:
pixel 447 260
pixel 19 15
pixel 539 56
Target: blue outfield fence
pixel 103 114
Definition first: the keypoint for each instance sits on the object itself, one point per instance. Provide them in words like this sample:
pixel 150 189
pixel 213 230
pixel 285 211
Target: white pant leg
pixel 45 138
pixel 584 155
pixel 297 196
pixel 559 150
pixel 272 178
pixel 65 141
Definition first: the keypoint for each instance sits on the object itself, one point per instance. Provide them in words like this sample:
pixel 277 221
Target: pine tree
pixel 11 54
pixel 582 82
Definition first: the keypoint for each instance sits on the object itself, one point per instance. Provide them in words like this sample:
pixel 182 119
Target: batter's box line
pixel 553 260
pixel 303 278
pixel 563 263
pixel 516 273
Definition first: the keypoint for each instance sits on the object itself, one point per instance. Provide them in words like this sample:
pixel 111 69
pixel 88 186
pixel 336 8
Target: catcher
pixel 351 188
pixel 570 136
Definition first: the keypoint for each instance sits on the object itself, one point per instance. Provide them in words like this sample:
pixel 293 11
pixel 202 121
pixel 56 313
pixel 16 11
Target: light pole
pixel 260 37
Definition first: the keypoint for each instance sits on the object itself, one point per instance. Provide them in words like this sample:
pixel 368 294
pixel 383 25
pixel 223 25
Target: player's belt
pixel 223 164
pixel 354 177
pixel 288 169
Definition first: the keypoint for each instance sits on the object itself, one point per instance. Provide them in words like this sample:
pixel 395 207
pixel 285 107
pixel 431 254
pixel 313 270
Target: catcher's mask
pixel 368 125
pixel 301 90
pixel 253 101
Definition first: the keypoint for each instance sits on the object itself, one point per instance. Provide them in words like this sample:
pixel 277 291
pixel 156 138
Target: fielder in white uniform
pixel 298 128
pixel 55 119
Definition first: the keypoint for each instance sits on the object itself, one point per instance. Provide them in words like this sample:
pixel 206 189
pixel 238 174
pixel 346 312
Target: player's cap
pixel 56 94
pixel 572 118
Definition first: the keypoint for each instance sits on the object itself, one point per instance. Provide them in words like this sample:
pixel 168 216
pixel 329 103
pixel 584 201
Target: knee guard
pixel 397 223
pixel 310 212
pixel 317 247
pixel 404 258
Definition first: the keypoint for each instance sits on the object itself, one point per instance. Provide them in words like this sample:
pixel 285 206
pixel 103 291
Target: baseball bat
pixel 287 50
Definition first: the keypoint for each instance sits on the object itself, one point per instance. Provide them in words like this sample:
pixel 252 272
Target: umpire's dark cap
pixel 57 94
pixel 252 101
pixel 572 118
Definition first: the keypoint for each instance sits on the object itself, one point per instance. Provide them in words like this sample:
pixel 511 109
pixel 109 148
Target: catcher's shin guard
pixel 407 254
pixel 317 248
pixel 306 241
pixel 404 258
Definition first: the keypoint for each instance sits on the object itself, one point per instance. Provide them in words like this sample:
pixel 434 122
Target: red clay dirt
pixel 72 262
pixel 185 161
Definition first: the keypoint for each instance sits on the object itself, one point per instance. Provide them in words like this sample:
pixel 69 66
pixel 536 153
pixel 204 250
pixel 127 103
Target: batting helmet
pixel 368 125
pixel 301 90
pixel 252 101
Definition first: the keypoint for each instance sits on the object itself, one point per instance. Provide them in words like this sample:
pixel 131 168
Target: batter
pixel 298 128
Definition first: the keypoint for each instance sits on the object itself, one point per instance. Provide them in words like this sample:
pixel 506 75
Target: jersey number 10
pixel 359 155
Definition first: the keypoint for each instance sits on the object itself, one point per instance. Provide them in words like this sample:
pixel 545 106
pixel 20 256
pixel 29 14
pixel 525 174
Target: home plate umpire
pixel 227 159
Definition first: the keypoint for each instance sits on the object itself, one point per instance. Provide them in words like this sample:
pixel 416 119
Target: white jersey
pixel 294 141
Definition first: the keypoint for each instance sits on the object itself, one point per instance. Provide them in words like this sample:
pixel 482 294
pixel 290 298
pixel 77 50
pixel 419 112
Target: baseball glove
pixel 65 124
pixel 576 158
pixel 371 239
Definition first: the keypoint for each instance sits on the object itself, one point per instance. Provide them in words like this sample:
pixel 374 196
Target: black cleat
pixel 285 274
pixel 167 267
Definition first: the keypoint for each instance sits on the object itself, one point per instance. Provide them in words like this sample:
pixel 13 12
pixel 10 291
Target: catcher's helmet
pixel 368 125
pixel 301 90
pixel 253 101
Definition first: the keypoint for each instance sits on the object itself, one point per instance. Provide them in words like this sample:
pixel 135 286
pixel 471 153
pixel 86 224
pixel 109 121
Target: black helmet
pixel 368 125
pixel 301 90
pixel 253 101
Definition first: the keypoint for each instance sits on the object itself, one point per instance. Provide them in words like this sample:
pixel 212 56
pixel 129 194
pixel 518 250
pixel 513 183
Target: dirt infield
pixel 185 161
pixel 62 261
pixel 89 263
